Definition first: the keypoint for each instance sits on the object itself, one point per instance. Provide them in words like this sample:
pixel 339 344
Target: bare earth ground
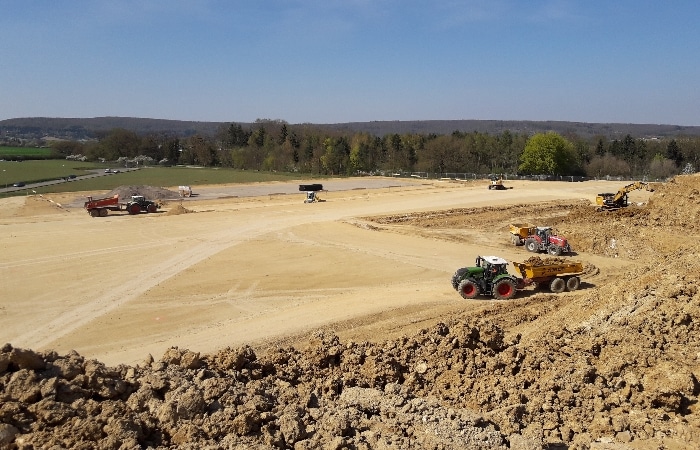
pixel 336 324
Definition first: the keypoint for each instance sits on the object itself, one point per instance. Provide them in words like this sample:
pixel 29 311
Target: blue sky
pixel 334 61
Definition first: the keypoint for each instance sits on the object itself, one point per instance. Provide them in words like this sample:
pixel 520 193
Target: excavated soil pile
pixel 664 225
pixel 610 367
pixel 150 192
pixel 37 204
pixel 178 209
pixel 540 261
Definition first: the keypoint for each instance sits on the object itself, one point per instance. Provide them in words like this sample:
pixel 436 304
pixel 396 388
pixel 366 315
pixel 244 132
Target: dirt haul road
pixel 244 270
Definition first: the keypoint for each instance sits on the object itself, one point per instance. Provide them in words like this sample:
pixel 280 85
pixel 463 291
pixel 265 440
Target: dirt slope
pixel 614 365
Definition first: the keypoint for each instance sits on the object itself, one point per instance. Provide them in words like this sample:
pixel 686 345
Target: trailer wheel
pixel 557 285
pixel 554 250
pixel 134 209
pixel 468 289
pixel 94 213
pixel 504 289
pixel 457 277
pixel 531 245
pixel 104 212
pixel 152 208
pixel 516 239
pixel 573 283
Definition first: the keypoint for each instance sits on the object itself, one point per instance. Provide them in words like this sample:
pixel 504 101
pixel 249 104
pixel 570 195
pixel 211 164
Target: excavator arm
pixel 629 188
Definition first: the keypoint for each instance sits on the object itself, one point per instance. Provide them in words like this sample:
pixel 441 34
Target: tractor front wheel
pixel 554 250
pixel 457 277
pixel 531 245
pixel 152 207
pixel 468 289
pixel 504 289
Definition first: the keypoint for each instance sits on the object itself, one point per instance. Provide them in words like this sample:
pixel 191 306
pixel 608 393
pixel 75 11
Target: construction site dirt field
pixel 243 317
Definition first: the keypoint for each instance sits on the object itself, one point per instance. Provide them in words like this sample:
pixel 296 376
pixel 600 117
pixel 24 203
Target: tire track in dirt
pixel 64 324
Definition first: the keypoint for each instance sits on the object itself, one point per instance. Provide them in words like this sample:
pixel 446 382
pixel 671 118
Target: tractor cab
pixel 544 233
pixel 492 265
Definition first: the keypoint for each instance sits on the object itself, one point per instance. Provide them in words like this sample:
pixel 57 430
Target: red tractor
pixel 539 239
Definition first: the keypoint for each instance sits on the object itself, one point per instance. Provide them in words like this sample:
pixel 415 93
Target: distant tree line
pixel 274 145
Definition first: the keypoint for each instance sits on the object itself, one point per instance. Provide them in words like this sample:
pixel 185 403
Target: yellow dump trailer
pixel 520 231
pixel 557 275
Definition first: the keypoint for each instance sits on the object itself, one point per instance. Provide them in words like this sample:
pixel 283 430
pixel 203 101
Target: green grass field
pixel 47 170
pixel 6 152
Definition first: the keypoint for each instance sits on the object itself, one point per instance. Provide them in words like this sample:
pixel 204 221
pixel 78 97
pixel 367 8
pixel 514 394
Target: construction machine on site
pixel 311 192
pixel 497 184
pixel 490 277
pixel 538 239
pixel 100 207
pixel 609 201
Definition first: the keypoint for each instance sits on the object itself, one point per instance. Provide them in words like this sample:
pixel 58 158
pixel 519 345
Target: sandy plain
pixel 245 268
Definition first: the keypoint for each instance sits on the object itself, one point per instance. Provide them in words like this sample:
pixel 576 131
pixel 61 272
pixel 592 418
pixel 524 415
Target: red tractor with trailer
pixel 539 239
pixel 100 207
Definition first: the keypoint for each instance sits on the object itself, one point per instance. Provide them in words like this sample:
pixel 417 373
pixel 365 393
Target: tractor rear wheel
pixel 504 289
pixel 557 285
pixel 468 289
pixel 573 283
pixel 531 245
pixel 134 208
pixel 554 250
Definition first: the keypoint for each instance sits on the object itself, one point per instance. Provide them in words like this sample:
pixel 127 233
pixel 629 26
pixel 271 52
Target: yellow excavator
pixel 611 201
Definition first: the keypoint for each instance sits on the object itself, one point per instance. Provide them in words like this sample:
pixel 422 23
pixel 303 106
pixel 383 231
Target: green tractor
pixel 488 277
pixel 138 203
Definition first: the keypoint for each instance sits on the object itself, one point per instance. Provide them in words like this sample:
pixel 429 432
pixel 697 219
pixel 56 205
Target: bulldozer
pixel 609 201
pixel 312 191
pixel 497 184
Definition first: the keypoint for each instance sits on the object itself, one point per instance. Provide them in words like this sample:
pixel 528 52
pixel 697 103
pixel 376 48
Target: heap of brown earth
pixel 615 366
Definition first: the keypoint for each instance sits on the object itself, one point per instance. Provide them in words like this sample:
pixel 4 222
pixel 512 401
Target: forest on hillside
pixel 279 146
